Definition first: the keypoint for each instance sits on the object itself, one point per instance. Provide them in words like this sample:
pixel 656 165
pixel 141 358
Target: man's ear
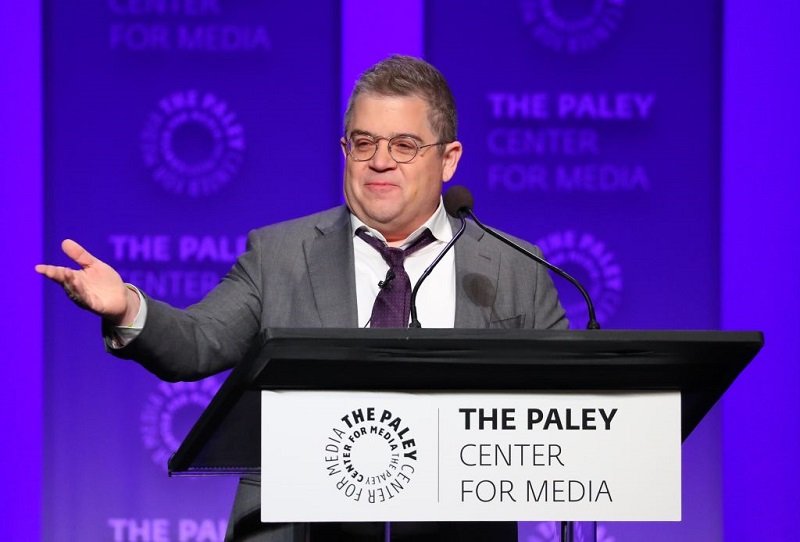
pixel 450 158
pixel 343 144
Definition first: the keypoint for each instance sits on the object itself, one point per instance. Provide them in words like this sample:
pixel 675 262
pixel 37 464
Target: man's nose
pixel 382 159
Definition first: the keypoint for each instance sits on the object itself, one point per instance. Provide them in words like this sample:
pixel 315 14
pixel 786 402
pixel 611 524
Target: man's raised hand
pixel 96 286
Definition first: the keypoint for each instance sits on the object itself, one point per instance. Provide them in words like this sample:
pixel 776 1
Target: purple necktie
pixel 393 305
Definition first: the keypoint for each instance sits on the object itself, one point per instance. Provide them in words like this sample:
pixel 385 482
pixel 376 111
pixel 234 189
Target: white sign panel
pixel 364 456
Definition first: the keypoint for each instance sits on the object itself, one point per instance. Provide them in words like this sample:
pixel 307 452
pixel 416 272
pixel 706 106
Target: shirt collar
pixel 437 223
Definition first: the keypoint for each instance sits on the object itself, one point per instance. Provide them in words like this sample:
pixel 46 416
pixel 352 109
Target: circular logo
pixel 370 455
pixel 572 26
pixel 193 143
pixel 587 259
pixel 170 412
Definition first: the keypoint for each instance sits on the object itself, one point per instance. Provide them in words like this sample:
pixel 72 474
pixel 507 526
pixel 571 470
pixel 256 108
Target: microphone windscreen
pixel 456 199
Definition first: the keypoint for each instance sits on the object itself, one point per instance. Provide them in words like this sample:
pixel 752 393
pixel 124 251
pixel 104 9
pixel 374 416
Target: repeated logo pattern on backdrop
pixel 193 143
pixel 586 258
pixel 556 141
pixel 170 135
pixel 195 27
pixel 572 27
pixel 592 129
pixel 169 413
pixel 615 143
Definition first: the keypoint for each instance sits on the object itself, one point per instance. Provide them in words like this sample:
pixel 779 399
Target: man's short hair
pixel 400 75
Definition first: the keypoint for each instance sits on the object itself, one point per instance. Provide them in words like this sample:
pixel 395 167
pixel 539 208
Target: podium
pixel 697 365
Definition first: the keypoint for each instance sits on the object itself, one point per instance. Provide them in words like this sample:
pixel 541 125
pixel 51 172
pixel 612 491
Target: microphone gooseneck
pixel 414 320
pixel 461 203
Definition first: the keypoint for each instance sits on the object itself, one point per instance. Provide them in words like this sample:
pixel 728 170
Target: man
pixel 332 269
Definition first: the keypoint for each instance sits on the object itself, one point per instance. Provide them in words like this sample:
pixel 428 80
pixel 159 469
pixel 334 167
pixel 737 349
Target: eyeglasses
pixel 402 149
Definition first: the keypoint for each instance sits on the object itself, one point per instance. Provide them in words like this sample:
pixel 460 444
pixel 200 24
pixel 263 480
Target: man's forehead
pixel 377 96
pixel 375 114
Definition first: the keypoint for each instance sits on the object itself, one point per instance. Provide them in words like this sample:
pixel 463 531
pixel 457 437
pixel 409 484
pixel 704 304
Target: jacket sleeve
pixel 208 337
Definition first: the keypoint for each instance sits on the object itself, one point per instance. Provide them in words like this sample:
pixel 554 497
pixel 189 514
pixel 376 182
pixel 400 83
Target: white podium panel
pixel 372 456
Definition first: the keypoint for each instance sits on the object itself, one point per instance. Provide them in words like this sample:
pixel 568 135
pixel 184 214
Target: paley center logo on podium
pixel 474 456
pixel 193 143
pixel 169 413
pixel 589 259
pixel 370 454
pixel 572 27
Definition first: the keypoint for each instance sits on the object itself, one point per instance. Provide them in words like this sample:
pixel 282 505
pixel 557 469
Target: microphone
pixel 461 203
pixel 458 201
pixel 414 321
pixel 386 282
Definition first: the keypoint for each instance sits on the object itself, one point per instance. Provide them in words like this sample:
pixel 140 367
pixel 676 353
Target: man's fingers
pixel 68 279
pixel 54 272
pixel 79 255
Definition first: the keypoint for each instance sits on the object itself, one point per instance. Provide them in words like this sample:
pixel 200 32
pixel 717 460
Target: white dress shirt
pixel 436 299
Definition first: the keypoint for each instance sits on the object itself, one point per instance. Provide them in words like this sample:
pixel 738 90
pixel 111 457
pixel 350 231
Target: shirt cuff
pixel 122 336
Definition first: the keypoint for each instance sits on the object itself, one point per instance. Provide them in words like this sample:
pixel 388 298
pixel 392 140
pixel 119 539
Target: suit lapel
pixel 331 270
pixel 477 271
pixel 329 256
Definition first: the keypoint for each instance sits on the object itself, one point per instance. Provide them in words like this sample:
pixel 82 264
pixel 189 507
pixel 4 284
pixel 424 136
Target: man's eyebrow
pixel 412 136
pixel 373 136
pixel 361 132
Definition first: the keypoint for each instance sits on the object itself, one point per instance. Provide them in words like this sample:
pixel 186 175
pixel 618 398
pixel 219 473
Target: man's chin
pixel 383 221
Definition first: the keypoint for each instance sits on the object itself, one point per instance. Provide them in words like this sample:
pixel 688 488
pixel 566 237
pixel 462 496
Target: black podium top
pixel 699 364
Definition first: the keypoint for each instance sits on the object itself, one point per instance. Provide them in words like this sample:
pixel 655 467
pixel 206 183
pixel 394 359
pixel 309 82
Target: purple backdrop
pixel 761 168
pixel 171 130
pixel 111 137
pixel 593 130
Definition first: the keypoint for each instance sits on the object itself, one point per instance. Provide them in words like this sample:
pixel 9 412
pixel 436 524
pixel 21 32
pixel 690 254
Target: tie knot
pixel 396 256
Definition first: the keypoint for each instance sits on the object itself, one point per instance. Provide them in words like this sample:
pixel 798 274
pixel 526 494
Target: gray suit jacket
pixel 301 274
